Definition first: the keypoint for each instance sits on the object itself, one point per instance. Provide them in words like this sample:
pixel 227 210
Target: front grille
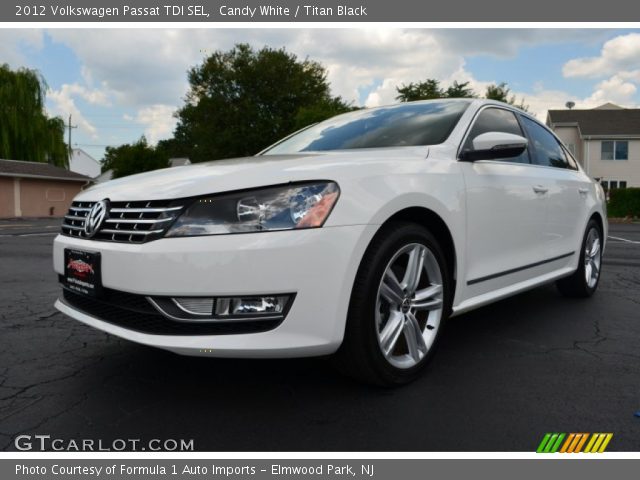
pixel 134 312
pixel 130 222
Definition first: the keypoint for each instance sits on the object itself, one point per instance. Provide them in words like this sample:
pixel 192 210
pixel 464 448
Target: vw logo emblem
pixel 95 217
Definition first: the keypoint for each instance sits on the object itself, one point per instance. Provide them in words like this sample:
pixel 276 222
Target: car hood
pixel 240 173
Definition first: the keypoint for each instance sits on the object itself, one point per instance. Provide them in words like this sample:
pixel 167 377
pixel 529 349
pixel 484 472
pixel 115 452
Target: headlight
pixel 287 207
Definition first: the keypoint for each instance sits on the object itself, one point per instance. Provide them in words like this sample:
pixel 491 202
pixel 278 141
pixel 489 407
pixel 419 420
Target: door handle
pixel 540 189
pixel 583 191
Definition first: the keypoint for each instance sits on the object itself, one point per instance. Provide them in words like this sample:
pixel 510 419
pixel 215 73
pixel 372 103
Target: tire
pixel 391 333
pixel 584 281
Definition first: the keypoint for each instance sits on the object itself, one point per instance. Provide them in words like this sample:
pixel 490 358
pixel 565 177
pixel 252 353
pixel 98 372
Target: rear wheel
pixel 398 305
pixel 584 282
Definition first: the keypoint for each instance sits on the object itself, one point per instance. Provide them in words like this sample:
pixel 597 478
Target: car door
pixel 567 196
pixel 506 209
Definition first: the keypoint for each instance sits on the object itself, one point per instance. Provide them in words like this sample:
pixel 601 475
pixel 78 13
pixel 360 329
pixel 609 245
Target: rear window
pixel 402 125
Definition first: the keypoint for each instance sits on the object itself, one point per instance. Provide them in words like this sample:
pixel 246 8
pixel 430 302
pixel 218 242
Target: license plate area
pixel 82 272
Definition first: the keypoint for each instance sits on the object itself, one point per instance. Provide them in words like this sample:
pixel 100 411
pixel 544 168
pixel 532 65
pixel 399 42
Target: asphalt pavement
pixel 505 374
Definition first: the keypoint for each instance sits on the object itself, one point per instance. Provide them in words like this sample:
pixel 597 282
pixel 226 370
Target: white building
pixel 83 163
pixel 179 162
pixel 605 140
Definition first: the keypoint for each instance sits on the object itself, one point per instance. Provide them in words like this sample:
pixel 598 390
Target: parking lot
pixel 504 375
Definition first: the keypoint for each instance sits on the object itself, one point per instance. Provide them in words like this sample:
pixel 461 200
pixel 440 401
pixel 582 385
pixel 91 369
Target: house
pixel 179 162
pixel 104 176
pixel 32 189
pixel 83 163
pixel 605 140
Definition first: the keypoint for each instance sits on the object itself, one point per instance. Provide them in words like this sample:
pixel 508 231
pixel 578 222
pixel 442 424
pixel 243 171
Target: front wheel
pixel 399 302
pixel 584 282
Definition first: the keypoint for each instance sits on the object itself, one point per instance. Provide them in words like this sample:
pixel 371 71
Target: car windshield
pixel 404 125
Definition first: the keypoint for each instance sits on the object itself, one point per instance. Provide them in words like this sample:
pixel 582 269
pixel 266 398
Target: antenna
pixel 570 104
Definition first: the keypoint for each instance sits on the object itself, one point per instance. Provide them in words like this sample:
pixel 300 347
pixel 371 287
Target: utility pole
pixel 70 127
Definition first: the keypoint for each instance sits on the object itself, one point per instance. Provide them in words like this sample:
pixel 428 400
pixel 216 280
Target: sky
pixel 120 84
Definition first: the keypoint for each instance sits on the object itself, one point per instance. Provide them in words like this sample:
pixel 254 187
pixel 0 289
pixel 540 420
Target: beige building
pixel 605 140
pixel 31 189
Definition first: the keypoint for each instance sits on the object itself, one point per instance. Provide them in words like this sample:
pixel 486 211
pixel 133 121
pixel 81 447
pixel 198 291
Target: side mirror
pixel 495 145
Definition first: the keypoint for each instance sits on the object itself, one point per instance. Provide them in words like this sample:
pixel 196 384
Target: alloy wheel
pixel 592 257
pixel 409 305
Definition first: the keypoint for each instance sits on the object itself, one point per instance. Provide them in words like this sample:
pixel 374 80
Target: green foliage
pixel 501 93
pixel 26 133
pixel 427 90
pixel 320 111
pixel 459 90
pixel 136 158
pixel 624 202
pixel 241 101
pixel 430 89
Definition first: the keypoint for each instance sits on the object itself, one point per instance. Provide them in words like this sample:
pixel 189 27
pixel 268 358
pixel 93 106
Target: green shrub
pixel 624 202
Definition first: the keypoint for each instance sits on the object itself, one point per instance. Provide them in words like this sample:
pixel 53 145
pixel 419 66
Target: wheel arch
pixel 436 225
pixel 597 216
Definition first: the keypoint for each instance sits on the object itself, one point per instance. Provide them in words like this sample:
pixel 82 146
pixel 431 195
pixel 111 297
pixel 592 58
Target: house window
pixel 611 184
pixel 614 150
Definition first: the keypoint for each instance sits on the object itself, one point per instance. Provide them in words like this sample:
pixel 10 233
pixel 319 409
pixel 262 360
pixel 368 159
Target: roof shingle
pixel 600 122
pixel 18 168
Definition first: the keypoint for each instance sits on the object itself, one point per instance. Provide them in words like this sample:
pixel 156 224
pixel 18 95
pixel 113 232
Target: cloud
pixel 507 42
pixel 158 122
pixel 16 43
pixel 92 96
pixel 63 103
pixel 149 66
pixel 620 54
pixel 615 90
pixel 145 70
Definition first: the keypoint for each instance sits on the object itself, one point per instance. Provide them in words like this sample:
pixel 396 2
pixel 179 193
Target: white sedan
pixel 358 236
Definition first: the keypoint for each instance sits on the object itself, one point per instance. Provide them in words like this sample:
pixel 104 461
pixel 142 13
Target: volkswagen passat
pixel 357 236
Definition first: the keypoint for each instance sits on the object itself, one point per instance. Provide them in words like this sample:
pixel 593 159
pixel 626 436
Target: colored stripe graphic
pixel 598 442
pixel 574 442
pixel 578 448
pixel 550 443
pixel 567 443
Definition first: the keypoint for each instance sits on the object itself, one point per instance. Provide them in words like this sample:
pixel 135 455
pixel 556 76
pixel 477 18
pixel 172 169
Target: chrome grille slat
pixel 75 218
pixel 129 232
pixel 138 220
pixel 144 210
pixel 127 222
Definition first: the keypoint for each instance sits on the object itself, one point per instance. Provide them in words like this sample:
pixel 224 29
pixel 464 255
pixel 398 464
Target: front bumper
pixel 318 265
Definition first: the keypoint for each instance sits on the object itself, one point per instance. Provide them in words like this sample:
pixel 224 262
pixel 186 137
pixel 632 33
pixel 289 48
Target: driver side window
pixel 497 120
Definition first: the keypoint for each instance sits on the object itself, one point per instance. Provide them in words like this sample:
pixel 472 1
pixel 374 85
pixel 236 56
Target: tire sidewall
pixel 581 268
pixel 364 313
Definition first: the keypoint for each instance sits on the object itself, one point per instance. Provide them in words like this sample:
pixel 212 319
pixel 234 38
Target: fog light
pixel 267 305
pixel 212 309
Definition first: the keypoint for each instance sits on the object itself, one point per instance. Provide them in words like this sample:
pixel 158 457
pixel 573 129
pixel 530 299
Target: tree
pixel 133 158
pixel 427 90
pixel 26 132
pixel 320 111
pixel 500 92
pixel 459 90
pixel 242 100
